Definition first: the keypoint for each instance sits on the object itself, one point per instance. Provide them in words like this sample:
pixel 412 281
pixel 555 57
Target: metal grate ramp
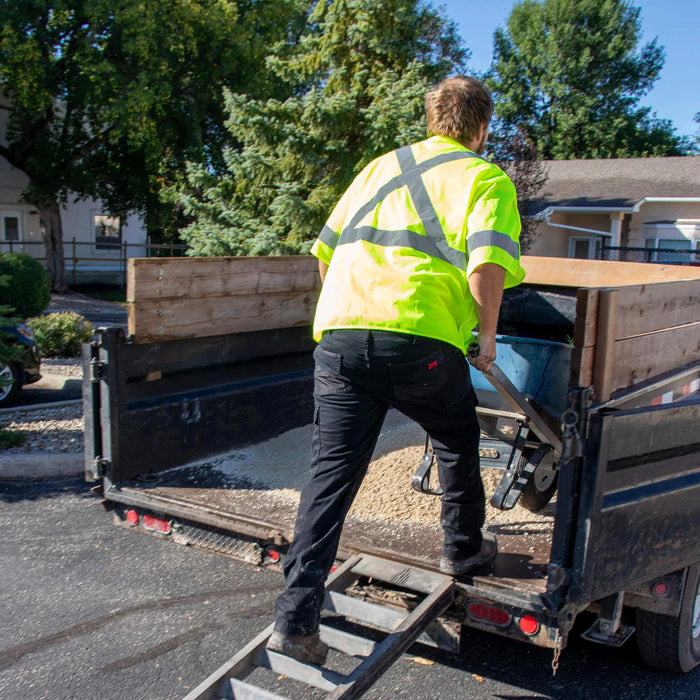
pixel 403 629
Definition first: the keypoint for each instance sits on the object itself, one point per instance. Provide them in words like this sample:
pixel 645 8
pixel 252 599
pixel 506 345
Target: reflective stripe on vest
pixel 434 242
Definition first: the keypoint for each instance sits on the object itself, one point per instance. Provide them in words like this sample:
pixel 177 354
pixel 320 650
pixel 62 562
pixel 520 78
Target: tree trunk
pixel 52 233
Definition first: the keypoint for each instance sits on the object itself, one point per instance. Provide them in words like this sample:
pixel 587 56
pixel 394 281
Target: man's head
pixel 460 108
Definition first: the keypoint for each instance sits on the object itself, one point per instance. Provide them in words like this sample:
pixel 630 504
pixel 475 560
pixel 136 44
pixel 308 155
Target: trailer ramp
pixel 377 656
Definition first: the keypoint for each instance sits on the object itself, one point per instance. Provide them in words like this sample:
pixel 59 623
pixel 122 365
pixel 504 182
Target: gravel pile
pixel 279 468
pixel 280 465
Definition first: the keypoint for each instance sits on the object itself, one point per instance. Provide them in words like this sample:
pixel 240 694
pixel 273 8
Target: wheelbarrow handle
pixel 518 400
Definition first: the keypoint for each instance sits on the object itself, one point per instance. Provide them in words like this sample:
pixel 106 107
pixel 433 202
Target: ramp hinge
pixel 558 576
pixel 98 370
pixel 100 466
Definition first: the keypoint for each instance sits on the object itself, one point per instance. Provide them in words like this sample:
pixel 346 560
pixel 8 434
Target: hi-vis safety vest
pixel 404 238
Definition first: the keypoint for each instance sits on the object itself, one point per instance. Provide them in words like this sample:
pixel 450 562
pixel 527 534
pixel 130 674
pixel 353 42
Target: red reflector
pixel 132 517
pixel 152 523
pixel 273 555
pixel 660 589
pixel 333 568
pixel 488 613
pixel 528 624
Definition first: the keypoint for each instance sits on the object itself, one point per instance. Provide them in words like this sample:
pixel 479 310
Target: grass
pixel 11 438
pixel 116 295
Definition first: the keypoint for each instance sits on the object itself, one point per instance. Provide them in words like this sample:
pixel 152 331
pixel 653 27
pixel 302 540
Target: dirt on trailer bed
pixel 389 517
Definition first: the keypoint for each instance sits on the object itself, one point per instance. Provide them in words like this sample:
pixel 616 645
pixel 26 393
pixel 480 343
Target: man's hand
pixel 487 353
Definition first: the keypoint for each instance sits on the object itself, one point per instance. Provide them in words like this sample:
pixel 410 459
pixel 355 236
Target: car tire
pixel 12 372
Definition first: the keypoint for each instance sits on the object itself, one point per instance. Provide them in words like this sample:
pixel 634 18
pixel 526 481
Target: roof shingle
pixel 618 182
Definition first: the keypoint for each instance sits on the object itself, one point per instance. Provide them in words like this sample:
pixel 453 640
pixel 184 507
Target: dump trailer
pixel 592 429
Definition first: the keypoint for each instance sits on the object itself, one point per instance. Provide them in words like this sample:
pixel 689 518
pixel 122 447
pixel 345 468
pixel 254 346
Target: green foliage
pixel 107 98
pixel 11 438
pixel 9 352
pixel 61 334
pixel 355 79
pixel 511 150
pixel 28 288
pixel 569 75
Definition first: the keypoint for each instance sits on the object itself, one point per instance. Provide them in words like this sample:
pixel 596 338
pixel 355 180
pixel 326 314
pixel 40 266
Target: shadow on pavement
pixel 15 491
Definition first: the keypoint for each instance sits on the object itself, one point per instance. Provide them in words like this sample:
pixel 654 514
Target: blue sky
pixel 676 23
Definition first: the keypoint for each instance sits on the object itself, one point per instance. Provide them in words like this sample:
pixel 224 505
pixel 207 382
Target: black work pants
pixel 359 375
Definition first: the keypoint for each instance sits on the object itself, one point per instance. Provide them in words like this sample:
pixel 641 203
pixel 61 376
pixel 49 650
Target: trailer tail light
pixel 490 614
pixel 132 517
pixel 150 522
pixel 660 589
pixel 529 625
pixel 272 555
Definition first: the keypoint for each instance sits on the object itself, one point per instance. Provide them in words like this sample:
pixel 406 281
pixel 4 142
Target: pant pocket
pixel 327 373
pixel 420 379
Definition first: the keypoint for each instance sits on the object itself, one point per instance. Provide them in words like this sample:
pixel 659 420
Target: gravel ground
pixel 49 429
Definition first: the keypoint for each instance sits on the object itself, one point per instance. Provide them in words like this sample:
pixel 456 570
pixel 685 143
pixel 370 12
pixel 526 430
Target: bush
pixel 28 288
pixel 61 334
pixel 11 438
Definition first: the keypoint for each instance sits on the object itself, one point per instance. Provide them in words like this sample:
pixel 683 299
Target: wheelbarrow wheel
pixel 542 484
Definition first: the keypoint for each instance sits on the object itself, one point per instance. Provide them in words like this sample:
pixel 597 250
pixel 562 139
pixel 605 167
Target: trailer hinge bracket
pixel 558 576
pixel 100 466
pixel 98 370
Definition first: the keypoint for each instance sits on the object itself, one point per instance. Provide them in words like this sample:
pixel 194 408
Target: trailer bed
pixel 250 493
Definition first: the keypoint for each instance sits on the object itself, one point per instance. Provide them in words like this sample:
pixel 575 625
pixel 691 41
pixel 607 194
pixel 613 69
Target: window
pixel 667 247
pixel 108 232
pixel 583 247
pixel 10 226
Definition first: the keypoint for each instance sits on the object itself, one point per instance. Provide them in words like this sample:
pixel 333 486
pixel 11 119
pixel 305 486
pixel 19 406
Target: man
pixel 415 255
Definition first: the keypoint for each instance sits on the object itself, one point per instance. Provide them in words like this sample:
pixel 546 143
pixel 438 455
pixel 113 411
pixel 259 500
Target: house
pixel 644 206
pixel 96 244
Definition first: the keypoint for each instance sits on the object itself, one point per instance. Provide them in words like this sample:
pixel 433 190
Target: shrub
pixel 28 288
pixel 61 334
pixel 11 438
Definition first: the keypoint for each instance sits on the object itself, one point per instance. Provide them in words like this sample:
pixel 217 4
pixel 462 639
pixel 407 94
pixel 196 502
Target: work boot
pixel 309 649
pixel 487 553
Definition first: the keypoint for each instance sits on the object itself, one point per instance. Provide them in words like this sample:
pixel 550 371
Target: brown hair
pixel 457 108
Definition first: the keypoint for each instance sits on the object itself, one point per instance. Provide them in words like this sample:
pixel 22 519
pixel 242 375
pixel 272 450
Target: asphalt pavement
pixel 91 610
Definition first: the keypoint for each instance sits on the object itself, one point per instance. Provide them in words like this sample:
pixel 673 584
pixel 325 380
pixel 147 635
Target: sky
pixel 676 23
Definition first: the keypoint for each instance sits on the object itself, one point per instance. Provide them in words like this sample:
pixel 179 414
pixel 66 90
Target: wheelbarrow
pixel 520 400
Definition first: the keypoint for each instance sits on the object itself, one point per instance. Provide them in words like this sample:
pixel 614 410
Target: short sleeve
pixel 493 226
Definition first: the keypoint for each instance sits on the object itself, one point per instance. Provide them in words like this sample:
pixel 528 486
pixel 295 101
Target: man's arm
pixel 486 286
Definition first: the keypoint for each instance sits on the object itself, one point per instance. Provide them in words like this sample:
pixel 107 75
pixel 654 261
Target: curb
pixel 35 467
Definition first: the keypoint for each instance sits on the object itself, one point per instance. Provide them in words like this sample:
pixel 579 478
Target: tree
pixel 356 81
pixel 569 75
pixel 509 148
pixel 107 98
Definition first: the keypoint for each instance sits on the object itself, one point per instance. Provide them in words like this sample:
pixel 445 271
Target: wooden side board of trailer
pixel 196 297
pixel 633 320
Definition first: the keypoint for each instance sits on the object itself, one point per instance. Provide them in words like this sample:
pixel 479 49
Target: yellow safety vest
pixel 404 238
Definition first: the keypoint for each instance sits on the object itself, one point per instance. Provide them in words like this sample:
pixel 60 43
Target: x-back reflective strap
pixel 434 242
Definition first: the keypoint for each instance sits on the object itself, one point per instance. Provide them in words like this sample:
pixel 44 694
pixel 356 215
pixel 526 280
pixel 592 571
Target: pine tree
pixel 356 80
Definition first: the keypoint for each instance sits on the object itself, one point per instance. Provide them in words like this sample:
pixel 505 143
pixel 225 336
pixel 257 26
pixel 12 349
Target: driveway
pixel 98 312
pixel 94 611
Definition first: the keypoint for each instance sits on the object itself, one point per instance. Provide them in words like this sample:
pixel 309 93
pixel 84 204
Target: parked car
pixel 26 369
